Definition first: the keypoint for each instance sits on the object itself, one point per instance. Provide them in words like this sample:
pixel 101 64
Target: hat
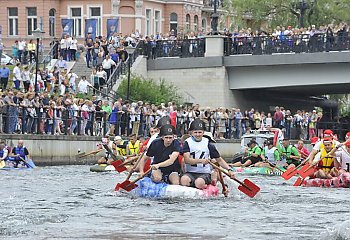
pixel 167 130
pixel 163 121
pixel 209 135
pixel 197 124
pixel 328 132
pixel 314 140
pixel 117 138
pixel 327 140
pixel 347 144
pixel 269 142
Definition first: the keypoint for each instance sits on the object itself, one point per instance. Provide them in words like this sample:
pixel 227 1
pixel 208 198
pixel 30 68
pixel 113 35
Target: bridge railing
pixel 174 48
pixel 302 43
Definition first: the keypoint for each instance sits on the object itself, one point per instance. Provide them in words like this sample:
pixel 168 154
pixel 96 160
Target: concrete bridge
pixel 263 81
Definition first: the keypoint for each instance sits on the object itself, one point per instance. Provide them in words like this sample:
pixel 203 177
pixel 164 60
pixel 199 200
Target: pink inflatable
pixel 343 181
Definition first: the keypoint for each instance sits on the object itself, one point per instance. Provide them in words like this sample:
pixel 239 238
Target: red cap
pixel 314 140
pixel 328 132
pixel 347 135
pixel 327 140
pixel 347 144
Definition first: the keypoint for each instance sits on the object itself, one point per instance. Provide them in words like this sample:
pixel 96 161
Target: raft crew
pixel 106 159
pixel 133 147
pixel 303 152
pixel 3 152
pixel 269 155
pixel 197 152
pixel 119 146
pixel 289 153
pixel 319 145
pixel 326 165
pixel 165 152
pixel 19 154
pixel 253 155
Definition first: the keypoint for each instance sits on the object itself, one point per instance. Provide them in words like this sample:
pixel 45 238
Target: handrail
pixel 47 56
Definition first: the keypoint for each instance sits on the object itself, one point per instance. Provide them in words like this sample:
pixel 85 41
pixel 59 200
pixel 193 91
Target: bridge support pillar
pixel 214 46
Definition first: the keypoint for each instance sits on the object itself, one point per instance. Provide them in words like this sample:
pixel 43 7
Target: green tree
pixel 148 90
pixel 277 12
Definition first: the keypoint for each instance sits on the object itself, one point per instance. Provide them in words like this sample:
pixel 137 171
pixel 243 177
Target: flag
pixel 90 27
pixel 112 27
pixel 67 26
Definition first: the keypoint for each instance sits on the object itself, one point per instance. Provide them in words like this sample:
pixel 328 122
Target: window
pixel 204 25
pixel 173 22
pixel 32 21
pixel 52 22
pixel 195 23
pixel 157 20
pixel 95 12
pixel 148 22
pixel 188 20
pixel 13 21
pixel 75 14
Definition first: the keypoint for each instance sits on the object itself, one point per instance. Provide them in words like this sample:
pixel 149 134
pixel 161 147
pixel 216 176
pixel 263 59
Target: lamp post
pixel 214 19
pixel 38 34
pixel 130 50
pixel 303 6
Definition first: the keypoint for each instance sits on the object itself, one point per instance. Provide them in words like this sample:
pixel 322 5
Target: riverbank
pixel 48 150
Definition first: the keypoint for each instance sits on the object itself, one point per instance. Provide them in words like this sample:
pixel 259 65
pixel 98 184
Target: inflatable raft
pixel 343 181
pixel 102 168
pixel 148 189
pixel 259 170
pixel 28 166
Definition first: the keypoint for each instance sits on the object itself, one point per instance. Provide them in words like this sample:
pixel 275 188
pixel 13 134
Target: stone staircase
pixel 81 69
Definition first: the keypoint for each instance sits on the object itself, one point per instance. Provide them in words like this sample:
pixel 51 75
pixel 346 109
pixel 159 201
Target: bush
pixel 148 90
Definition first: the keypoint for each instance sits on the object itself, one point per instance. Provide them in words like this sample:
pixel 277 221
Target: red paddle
pixel 298 182
pixel 290 172
pixel 307 170
pixel 247 187
pixel 130 185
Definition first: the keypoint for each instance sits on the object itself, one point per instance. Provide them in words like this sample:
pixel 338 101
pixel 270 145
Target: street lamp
pixel 214 19
pixel 38 34
pixel 303 6
pixel 130 50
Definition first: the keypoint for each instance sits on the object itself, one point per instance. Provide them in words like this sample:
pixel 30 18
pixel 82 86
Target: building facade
pixel 18 18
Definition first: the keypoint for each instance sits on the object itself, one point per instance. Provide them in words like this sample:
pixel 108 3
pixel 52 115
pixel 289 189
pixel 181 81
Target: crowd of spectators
pixel 68 114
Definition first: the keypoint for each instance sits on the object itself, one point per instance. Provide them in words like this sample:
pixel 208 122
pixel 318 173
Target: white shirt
pixel 17 74
pixel 344 158
pixel 107 63
pixel 83 86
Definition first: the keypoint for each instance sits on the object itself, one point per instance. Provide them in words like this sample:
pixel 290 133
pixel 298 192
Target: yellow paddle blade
pixel 2 164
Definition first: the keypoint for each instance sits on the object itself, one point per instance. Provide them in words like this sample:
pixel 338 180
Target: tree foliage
pixel 148 90
pixel 277 12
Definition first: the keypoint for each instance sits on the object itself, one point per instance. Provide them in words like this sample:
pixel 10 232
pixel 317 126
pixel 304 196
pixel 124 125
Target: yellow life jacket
pixel 121 151
pixel 327 163
pixel 134 148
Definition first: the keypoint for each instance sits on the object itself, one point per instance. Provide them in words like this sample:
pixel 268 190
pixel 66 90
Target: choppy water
pixel 72 203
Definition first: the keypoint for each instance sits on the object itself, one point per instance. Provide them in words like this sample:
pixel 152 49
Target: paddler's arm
pixel 173 157
pixel 142 163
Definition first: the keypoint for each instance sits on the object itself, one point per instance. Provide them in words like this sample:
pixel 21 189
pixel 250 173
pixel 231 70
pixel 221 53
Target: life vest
pixel 134 148
pixel 20 151
pixel 270 154
pixel 198 150
pixel 327 163
pixel 2 152
pixel 288 152
pixel 252 150
pixel 121 151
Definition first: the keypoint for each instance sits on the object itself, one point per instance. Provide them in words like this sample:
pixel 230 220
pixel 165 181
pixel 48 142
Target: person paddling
pixel 197 152
pixel 290 153
pixel 325 160
pixel 3 154
pixel 270 155
pixel 253 155
pixel 19 153
pixel 165 152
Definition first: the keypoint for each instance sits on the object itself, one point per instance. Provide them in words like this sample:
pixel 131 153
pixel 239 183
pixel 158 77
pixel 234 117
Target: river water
pixel 69 202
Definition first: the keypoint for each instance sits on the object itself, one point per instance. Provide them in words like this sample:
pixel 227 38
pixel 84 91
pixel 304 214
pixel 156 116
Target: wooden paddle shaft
pixel 227 174
pixel 141 176
pixel 221 179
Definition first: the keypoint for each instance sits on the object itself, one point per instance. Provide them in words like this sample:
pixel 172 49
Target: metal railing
pixel 302 43
pixel 52 54
pixel 174 48
pixel 122 68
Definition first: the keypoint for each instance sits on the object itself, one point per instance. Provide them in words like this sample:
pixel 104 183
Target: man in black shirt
pixel 165 151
